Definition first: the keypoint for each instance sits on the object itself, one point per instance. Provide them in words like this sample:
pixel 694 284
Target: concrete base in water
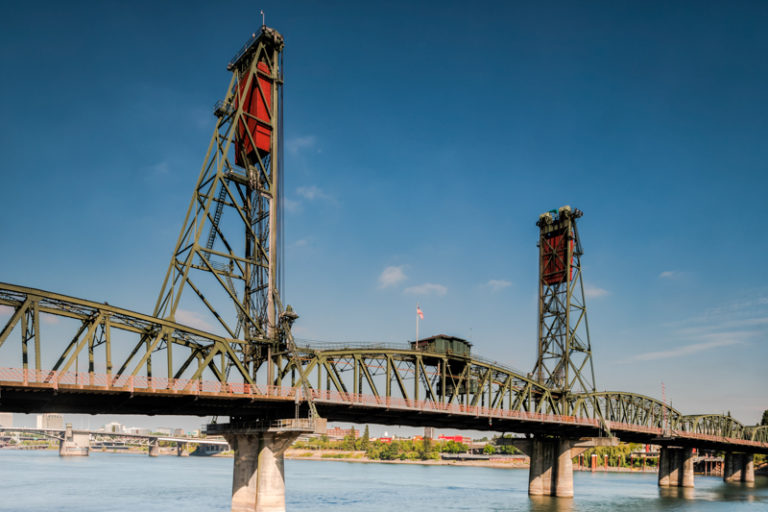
pixel 74 445
pixel 739 468
pixel 675 467
pixel 258 480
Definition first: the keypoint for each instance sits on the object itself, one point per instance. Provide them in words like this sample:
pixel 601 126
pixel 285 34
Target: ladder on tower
pixel 216 217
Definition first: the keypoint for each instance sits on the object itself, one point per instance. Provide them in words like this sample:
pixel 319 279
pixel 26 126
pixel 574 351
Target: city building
pixel 114 427
pixel 6 419
pixel 50 422
pixel 339 433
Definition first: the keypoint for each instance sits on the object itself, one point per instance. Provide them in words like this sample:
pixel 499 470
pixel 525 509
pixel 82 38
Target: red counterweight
pixel 255 126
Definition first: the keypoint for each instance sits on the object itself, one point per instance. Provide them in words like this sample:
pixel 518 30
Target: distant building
pixel 114 427
pixel 179 432
pixel 6 419
pixel 138 431
pixel 50 422
pixel 455 439
pixel 340 433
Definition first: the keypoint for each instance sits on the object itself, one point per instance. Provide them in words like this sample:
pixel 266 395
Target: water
pixel 43 481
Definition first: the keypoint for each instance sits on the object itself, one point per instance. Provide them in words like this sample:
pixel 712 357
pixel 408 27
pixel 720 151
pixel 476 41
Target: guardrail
pixel 142 384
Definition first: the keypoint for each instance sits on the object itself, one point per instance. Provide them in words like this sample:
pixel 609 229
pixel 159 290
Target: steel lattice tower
pixel 564 362
pixel 229 246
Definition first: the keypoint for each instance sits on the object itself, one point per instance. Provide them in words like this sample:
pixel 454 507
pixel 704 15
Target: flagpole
pixel 417 322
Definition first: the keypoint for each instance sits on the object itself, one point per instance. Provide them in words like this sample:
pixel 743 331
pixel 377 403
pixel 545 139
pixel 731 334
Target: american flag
pixel 418 312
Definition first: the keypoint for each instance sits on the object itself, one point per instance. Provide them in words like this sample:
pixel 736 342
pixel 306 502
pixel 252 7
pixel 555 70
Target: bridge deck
pixel 40 391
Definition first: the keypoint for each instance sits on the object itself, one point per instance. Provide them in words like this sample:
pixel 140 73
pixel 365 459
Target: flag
pixel 418 312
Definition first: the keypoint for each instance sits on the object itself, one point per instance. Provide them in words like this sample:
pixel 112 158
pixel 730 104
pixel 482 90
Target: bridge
pixel 78 441
pixel 73 355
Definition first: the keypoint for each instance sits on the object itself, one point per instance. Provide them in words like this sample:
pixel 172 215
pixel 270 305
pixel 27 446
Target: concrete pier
pixel 551 466
pixel 181 450
pixel 74 444
pixel 675 467
pixel 153 448
pixel 739 468
pixel 258 480
pixel 258 477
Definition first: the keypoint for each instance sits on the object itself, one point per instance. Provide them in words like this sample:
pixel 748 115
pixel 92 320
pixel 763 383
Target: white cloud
pixel 301 242
pixel 312 192
pixel 391 276
pixel 192 319
pixel 669 274
pixel 291 205
pixel 49 319
pixel 686 350
pixel 427 289
pixel 296 144
pixel 498 284
pixel 593 292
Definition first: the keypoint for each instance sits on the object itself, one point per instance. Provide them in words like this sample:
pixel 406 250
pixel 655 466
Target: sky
pixel 422 142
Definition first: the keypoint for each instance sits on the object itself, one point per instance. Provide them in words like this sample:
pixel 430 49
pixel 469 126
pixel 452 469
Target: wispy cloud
pixel 192 319
pixel 295 145
pixel 160 167
pixel 685 350
pixel 49 319
pixel 670 274
pixel 312 192
pixel 593 292
pixel 427 289
pixel 498 284
pixel 391 276
pixel 301 242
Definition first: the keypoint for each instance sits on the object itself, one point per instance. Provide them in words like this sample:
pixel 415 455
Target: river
pixel 42 481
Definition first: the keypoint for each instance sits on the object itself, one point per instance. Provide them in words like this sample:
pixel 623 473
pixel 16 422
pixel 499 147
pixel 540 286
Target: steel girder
pixel 122 342
pixel 627 408
pixel 713 425
pixel 389 372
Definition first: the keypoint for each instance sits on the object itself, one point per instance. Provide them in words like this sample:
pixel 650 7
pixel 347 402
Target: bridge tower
pixel 228 253
pixel 564 360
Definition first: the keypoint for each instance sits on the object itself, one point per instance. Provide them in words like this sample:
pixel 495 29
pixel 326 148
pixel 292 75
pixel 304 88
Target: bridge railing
pixel 56 380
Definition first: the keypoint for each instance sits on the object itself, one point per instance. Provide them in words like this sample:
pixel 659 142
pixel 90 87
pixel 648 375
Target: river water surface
pixel 43 481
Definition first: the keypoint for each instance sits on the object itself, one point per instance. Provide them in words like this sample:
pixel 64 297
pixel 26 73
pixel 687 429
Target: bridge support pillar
pixel 551 468
pixel 748 475
pixel 739 467
pixel 74 444
pixel 153 448
pixel 258 480
pixel 181 450
pixel 686 467
pixel 675 467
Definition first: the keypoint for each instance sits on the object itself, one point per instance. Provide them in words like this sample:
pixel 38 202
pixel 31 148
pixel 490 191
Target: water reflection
pixel 676 493
pixel 550 504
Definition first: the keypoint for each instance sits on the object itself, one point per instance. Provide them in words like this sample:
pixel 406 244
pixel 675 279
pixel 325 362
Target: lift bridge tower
pixel 564 360
pixel 228 253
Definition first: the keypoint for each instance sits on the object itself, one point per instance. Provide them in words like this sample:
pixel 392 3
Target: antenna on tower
pixel 263 22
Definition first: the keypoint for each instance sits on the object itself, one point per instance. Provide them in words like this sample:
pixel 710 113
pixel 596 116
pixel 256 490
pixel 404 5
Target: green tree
pixel 765 418
pixel 488 449
pixel 364 441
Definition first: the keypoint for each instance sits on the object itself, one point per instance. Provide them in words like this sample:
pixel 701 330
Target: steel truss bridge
pixel 104 359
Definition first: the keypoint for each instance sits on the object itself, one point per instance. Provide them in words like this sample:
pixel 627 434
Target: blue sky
pixel 422 141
